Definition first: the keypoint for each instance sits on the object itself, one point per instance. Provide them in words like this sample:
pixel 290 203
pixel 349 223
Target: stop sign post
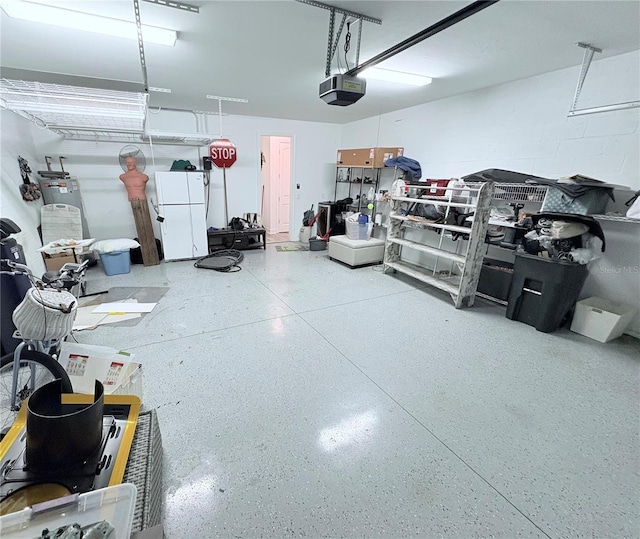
pixel 223 155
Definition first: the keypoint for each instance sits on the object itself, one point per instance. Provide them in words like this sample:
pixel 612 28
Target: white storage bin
pixel 601 319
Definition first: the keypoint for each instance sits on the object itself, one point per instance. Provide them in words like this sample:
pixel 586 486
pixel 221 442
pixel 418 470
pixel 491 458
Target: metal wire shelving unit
pixel 518 192
pixel 89 114
pixel 616 218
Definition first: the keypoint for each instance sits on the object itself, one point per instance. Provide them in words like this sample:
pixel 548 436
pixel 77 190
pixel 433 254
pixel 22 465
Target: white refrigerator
pixel 182 204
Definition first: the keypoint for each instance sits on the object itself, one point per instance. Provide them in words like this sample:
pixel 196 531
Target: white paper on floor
pixel 124 307
pixel 87 319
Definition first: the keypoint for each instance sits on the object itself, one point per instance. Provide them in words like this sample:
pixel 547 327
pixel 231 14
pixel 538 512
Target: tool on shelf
pixel 516 210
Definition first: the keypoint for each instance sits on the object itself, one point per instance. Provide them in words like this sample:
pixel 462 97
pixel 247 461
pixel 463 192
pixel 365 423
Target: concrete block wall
pixel 521 126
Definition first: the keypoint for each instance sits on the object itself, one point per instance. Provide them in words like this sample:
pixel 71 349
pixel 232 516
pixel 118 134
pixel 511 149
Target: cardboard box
pixel 366 157
pixel 356 158
pixel 56 261
pixel 382 154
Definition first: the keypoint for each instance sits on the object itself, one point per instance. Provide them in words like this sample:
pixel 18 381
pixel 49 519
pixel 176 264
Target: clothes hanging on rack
pixel 405 163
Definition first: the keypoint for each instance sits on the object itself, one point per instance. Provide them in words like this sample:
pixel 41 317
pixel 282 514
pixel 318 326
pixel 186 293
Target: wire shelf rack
pixel 93 135
pixel 89 114
pixel 616 218
pixel 61 107
pixel 190 139
pixel 132 137
pixel 518 192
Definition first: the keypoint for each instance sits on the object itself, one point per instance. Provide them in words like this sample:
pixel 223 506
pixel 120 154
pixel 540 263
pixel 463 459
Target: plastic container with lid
pixel 116 263
pixel 114 504
pixel 544 291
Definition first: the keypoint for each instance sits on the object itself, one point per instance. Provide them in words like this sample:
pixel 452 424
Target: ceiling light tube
pixel 399 77
pixel 66 18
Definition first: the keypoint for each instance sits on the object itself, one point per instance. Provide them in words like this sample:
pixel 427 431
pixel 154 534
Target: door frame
pixel 283 191
pixel 292 190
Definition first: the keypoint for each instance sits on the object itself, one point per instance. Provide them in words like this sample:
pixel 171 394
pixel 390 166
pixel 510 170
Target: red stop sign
pixel 223 153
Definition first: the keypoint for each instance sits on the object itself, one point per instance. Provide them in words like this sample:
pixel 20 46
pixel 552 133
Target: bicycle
pixel 43 320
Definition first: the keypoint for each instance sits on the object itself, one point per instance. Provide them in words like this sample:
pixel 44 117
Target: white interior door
pixel 284 184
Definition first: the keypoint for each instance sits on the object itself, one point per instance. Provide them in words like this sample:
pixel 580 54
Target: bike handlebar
pixel 69 271
pixel 15 268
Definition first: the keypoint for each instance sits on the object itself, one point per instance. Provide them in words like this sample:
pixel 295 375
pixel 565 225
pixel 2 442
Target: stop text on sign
pixel 223 153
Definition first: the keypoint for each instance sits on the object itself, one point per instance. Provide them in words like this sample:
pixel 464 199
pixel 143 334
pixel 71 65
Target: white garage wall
pixel 16 140
pixel 109 213
pixel 314 148
pixel 523 126
pixel 97 168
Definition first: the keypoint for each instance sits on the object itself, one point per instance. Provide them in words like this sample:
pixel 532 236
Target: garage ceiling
pixel 273 52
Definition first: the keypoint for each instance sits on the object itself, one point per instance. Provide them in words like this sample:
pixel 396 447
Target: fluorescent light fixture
pixel 66 18
pixel 161 90
pixel 395 76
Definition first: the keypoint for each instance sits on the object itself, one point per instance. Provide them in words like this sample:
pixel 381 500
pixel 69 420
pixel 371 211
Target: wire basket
pixel 518 192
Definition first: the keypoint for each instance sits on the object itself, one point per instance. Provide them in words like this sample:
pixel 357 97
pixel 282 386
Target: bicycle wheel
pixel 46 369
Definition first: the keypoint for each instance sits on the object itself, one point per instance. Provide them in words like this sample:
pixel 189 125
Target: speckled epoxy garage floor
pixel 299 397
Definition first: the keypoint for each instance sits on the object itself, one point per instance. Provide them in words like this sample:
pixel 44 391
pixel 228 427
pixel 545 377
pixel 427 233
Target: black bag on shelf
pixel 237 223
pixel 427 211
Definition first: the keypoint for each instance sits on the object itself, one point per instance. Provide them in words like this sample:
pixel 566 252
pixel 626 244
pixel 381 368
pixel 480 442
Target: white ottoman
pixel 356 252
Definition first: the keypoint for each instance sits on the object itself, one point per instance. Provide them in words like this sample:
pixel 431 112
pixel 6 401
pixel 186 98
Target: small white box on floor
pixel 601 319
pixel 356 252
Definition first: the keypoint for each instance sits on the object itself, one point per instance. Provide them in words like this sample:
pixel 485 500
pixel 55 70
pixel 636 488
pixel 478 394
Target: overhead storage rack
pixel 89 114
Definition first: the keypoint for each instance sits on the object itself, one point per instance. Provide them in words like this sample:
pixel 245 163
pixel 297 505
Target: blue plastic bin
pixel 116 262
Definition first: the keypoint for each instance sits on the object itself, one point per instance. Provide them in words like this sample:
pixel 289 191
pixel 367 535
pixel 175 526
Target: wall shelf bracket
pixel 589 51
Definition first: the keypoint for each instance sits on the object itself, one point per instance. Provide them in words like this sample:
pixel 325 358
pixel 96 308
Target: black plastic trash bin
pixel 544 291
